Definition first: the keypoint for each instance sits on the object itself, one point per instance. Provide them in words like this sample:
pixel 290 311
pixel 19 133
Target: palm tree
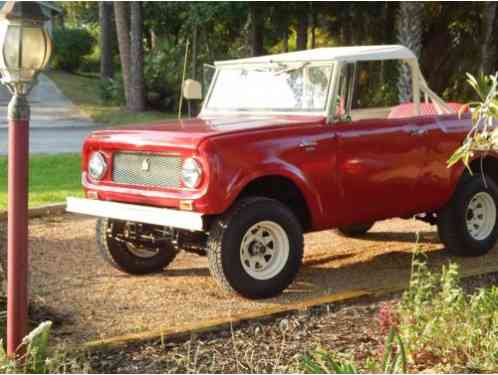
pixel 136 94
pixel 123 32
pixel 487 45
pixel 409 27
pixel 105 20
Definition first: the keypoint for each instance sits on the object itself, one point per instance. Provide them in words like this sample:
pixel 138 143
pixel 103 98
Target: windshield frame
pixel 205 111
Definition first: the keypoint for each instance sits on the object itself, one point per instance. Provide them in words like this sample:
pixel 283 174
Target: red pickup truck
pixel 285 144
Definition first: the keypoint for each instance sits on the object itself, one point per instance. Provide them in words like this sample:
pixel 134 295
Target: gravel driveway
pixel 89 300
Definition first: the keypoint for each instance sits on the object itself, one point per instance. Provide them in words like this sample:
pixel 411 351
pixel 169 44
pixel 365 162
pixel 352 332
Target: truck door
pixel 378 164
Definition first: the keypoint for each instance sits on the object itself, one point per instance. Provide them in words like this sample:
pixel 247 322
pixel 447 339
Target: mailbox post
pixel 25 49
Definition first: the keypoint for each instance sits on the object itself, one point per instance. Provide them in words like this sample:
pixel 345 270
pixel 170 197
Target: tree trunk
pixel 347 27
pixel 487 45
pixel 302 30
pixel 257 23
pixel 136 94
pixel 123 33
pixel 153 39
pixel 409 29
pixel 105 20
pixel 195 42
pixel 285 38
pixel 312 22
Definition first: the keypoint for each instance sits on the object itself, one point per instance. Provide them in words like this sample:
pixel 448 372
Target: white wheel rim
pixel 264 250
pixel 141 252
pixel 480 216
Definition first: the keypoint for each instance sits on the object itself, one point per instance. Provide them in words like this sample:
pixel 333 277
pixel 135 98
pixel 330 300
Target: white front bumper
pixel 132 212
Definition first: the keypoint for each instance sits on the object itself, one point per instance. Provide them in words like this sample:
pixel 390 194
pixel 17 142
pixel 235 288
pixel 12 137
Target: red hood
pixel 189 133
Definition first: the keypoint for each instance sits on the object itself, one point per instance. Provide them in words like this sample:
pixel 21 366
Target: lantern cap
pixel 22 10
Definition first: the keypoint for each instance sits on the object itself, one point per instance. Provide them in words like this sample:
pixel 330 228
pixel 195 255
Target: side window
pixel 344 93
pixel 376 85
pixel 369 90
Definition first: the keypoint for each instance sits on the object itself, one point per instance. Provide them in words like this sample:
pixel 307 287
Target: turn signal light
pixel 187 205
pixel 92 194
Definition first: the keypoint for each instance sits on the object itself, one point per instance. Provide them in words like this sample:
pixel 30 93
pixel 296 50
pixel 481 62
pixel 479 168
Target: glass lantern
pixel 25 45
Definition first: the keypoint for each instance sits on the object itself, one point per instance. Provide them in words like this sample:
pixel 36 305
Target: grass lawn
pixel 52 178
pixel 83 91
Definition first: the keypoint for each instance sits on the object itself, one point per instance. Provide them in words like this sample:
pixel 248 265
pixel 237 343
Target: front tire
pixel 256 248
pixel 468 224
pixel 127 257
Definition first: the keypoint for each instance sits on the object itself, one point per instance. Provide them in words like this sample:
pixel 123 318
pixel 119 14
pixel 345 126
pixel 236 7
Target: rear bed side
pixel 438 182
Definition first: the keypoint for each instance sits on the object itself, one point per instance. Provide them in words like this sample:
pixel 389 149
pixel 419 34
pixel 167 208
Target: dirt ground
pixel 89 300
pixel 352 331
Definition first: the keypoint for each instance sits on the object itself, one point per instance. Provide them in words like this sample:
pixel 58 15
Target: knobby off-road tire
pixel 468 224
pixel 256 248
pixel 354 230
pixel 119 255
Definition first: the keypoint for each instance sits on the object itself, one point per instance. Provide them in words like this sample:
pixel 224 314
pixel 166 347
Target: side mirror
pixel 192 90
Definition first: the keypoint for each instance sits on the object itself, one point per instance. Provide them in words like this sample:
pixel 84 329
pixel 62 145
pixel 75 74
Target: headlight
pixel 191 173
pixel 97 166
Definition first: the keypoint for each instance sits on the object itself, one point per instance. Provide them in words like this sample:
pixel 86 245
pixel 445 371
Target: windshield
pixel 273 88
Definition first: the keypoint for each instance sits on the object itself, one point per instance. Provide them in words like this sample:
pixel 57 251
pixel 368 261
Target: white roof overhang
pixel 343 54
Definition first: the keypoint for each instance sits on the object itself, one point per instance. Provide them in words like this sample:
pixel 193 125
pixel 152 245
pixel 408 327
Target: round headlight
pixel 97 166
pixel 191 173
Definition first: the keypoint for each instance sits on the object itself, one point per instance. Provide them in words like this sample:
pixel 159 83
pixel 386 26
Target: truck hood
pixel 190 133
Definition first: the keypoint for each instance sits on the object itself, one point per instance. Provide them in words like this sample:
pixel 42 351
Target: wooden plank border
pixel 42 211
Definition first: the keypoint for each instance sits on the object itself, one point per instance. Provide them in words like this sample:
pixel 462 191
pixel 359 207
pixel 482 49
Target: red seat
pixel 408 109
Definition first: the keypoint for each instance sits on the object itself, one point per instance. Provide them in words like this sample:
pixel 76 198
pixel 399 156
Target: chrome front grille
pixel 146 169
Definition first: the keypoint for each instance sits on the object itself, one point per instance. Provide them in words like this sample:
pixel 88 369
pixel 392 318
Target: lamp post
pixel 25 49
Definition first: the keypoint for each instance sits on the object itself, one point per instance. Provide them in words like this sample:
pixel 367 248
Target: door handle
pixel 417 131
pixel 306 144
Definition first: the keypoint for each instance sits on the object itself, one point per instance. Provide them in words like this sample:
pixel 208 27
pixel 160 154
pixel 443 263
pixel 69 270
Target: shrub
pixel 445 328
pixel 111 91
pixel 71 45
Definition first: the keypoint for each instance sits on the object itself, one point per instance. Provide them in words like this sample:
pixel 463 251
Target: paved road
pixel 51 140
pixel 56 125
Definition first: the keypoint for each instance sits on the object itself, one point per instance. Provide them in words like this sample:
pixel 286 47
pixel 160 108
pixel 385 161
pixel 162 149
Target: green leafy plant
pixel 445 329
pixel 321 362
pixel 35 358
pixel 111 91
pixel 394 354
pixel 483 135
pixel 394 361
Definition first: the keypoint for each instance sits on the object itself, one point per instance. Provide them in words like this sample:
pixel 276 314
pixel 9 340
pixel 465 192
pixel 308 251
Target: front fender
pixel 277 168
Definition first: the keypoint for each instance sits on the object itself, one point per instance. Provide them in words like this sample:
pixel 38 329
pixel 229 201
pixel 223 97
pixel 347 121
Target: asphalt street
pixel 50 140
pixel 56 126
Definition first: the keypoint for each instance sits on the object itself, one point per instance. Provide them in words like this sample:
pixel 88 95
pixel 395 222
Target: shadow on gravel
pixel 74 281
pixel 424 237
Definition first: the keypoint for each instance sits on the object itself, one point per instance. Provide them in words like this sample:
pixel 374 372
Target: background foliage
pixel 451 37
pixel 71 45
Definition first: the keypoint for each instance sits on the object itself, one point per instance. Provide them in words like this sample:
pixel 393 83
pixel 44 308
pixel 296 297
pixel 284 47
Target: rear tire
pixel 468 224
pixel 355 230
pixel 127 258
pixel 256 248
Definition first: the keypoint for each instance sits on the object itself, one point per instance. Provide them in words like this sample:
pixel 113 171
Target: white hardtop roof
pixel 358 53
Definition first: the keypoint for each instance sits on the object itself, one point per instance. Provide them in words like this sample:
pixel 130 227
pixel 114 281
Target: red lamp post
pixel 25 48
